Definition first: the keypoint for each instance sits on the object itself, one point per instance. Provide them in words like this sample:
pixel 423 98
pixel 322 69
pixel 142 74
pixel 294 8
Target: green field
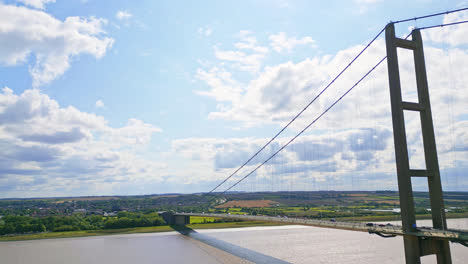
pixel 202 220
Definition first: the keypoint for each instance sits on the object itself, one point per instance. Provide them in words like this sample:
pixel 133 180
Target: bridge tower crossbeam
pixel 415 247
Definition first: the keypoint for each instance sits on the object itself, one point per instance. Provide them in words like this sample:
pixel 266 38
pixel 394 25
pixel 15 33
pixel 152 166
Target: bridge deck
pixel 451 234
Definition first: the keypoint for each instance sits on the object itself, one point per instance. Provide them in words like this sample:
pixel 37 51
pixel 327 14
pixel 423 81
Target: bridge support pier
pixel 174 219
pixel 181 219
pixel 415 247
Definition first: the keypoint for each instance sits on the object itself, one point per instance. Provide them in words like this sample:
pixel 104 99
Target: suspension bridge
pixel 418 241
pixel 453 235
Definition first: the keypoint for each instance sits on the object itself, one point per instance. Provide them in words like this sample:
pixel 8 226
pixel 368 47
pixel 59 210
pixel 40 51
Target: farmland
pixel 82 216
pixel 247 203
pixel 358 206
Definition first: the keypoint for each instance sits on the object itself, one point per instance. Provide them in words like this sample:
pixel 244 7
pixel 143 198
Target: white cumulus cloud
pixel 123 14
pixel 454 35
pixel 49 42
pixel 64 150
pixel 276 93
pixel 309 158
pixel 205 31
pixel 281 41
pixel 99 104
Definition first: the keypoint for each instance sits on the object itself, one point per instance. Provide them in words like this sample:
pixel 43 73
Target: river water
pixel 276 244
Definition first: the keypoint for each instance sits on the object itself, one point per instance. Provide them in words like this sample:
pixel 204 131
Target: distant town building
pixel 110 214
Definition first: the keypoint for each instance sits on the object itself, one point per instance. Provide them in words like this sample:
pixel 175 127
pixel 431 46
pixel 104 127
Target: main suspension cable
pixel 444 25
pixel 431 15
pixel 300 113
pixel 309 125
pixel 323 90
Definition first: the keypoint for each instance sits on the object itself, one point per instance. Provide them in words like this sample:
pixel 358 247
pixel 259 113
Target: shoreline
pixel 168 228
pixel 134 230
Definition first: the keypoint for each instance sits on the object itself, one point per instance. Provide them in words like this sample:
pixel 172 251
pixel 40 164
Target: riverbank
pixel 157 229
pixel 135 230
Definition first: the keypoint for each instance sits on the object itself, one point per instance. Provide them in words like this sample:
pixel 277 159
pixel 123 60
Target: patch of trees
pixel 127 219
pixel 14 224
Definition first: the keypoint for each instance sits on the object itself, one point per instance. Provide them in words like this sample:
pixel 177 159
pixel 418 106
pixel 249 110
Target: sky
pixel 118 97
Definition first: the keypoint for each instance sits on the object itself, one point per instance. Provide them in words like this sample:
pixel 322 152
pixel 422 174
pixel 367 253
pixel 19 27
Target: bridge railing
pixel 395 230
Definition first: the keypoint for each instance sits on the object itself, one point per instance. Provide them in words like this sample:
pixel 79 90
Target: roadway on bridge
pixel 454 235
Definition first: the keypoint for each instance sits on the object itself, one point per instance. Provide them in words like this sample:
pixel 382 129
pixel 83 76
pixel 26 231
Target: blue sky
pixel 140 97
